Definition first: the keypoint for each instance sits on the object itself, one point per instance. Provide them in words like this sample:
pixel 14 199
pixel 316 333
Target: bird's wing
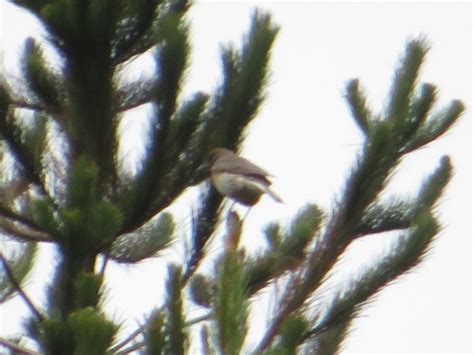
pixel 238 165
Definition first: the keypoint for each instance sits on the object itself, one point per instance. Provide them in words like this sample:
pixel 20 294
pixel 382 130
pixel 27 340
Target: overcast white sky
pixel 305 137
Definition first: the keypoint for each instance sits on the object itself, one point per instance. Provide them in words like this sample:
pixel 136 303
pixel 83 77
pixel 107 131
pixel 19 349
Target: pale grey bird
pixel 238 178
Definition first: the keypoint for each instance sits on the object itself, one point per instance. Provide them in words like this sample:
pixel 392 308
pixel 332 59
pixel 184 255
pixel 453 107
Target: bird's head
pixel 204 170
pixel 217 154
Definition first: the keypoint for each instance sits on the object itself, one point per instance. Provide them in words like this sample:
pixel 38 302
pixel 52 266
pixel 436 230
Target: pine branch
pixel 203 226
pixel 144 243
pixel 171 61
pixel 176 332
pixel 127 340
pixel 357 103
pixel 20 151
pixel 24 221
pixel 11 276
pixel 241 93
pixel 409 251
pixel 136 94
pixel 23 234
pixel 21 265
pixel 329 341
pixel 384 217
pixel 138 35
pixel 363 185
pixel 231 303
pixel 53 111
pixel 16 349
pixel 39 78
pixel 405 80
pixel 288 248
pixel 291 335
pixel 134 34
pixel 435 127
pixel 380 155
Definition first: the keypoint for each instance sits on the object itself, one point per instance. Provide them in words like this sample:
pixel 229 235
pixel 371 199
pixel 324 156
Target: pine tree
pixel 64 182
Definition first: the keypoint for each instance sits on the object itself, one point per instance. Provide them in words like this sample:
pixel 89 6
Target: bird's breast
pixel 238 187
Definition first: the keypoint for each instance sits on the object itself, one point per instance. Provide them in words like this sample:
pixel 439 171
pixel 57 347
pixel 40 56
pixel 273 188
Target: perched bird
pixel 238 178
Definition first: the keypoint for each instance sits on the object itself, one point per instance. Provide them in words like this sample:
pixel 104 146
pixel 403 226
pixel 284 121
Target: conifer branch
pixel 16 349
pixel 10 274
pixel 381 154
pixel 142 93
pixel 127 340
pixel 53 111
pixel 24 221
pixel 203 226
pixel 136 38
pixel 358 105
pixel 19 150
pixel 23 234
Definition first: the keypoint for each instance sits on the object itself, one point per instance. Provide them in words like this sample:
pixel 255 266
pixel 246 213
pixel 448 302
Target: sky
pixel 305 137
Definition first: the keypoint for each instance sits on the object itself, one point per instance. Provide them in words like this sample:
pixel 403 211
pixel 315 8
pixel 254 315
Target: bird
pixel 237 178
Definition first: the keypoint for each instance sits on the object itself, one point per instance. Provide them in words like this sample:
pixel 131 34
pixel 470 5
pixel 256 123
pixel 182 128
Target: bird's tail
pixel 273 195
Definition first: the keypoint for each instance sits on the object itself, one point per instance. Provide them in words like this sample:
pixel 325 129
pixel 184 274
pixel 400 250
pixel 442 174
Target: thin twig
pixel 132 348
pixel 22 234
pixel 18 288
pixel 199 319
pixel 128 339
pixel 16 348
pixel 29 106
pixel 7 213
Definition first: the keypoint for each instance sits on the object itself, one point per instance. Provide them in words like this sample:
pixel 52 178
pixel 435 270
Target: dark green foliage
pixel 177 334
pixel 56 337
pixel 204 222
pixel 434 185
pixel 43 214
pixel 304 225
pixel 378 158
pixel 100 21
pixel 92 332
pixel 231 304
pixel 404 255
pixel 245 74
pixel 420 107
pixel 41 81
pixel 73 192
pixel 94 220
pixel 356 100
pixel 405 126
pixel 435 127
pixel 291 336
pixel 398 214
pixel 133 33
pixel 330 340
pixel 88 292
pixel 288 251
pixel 404 82
pixel 183 128
pixel 82 187
pixel 171 58
pixel 155 336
